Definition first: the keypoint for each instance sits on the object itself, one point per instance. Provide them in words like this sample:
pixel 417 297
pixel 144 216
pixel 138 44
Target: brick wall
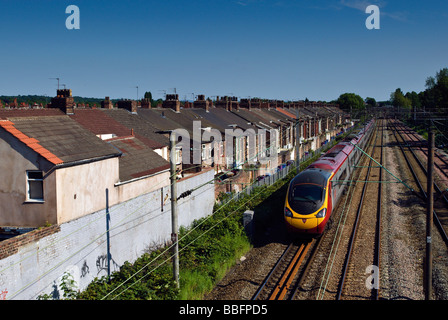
pixel 11 246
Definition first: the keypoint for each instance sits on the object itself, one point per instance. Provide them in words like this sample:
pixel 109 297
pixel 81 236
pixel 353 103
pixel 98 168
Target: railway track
pixel 419 174
pixel 363 253
pixel 390 238
pixel 281 281
pixel 440 162
pixel 287 277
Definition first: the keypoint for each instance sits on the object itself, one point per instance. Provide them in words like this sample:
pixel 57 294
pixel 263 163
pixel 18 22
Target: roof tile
pixel 5 122
pixel 30 142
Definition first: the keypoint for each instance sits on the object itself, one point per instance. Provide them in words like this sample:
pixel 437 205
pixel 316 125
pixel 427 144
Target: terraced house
pixel 93 184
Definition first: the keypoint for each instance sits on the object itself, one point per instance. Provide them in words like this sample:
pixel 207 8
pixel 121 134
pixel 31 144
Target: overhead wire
pixel 191 230
pixel 170 247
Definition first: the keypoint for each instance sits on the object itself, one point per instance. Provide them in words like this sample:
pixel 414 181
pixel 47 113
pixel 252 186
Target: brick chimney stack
pixel 280 104
pixel 107 104
pixel 130 105
pixel 245 103
pixel 221 103
pixel 146 103
pixel 234 104
pixel 254 103
pixel 63 101
pixel 172 101
pixel 265 104
pixel 202 103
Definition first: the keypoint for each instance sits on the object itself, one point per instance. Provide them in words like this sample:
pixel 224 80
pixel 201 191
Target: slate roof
pixel 168 119
pixel 276 117
pixel 27 112
pixel 158 120
pixel 184 119
pixel 254 118
pixel 99 123
pixel 63 137
pixel 138 159
pixel 30 142
pixel 142 128
pixel 290 113
pixel 222 119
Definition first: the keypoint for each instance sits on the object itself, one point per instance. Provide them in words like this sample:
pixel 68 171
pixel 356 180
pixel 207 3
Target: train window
pixel 306 198
pixel 307 192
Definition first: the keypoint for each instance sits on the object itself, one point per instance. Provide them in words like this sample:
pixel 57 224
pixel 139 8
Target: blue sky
pixel 279 49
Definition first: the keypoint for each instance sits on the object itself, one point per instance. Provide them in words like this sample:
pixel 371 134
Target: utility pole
pixel 174 214
pixel 429 215
pixel 297 141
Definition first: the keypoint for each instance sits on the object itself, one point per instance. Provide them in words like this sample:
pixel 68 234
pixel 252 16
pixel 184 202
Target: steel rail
pixel 378 214
pixel 306 267
pixel 285 282
pixel 273 270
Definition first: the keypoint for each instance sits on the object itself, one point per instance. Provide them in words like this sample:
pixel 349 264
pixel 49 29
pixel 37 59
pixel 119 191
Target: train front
pixel 306 205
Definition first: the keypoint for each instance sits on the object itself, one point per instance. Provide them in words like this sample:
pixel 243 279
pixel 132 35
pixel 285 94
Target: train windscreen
pixel 306 198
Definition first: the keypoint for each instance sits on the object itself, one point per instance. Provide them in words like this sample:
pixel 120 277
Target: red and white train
pixel 314 193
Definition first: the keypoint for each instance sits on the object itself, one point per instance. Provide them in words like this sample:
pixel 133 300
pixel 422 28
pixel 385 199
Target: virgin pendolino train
pixel 314 193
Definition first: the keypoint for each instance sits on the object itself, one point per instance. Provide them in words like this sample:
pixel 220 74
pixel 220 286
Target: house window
pixel 35 186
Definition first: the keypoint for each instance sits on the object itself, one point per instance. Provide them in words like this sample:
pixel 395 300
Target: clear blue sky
pixel 279 49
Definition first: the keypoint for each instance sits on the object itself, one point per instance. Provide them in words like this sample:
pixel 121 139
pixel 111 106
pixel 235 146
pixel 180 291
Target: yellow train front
pixel 308 203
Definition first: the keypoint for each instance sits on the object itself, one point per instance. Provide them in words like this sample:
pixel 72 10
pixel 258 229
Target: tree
pixel 399 100
pixel 148 95
pixel 414 99
pixel 371 102
pixel 436 94
pixel 351 102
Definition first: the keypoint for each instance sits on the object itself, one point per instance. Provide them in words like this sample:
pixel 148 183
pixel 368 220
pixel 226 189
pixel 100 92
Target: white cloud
pixel 363 4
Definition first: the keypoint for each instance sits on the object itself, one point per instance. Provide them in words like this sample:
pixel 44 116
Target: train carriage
pixel 315 192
